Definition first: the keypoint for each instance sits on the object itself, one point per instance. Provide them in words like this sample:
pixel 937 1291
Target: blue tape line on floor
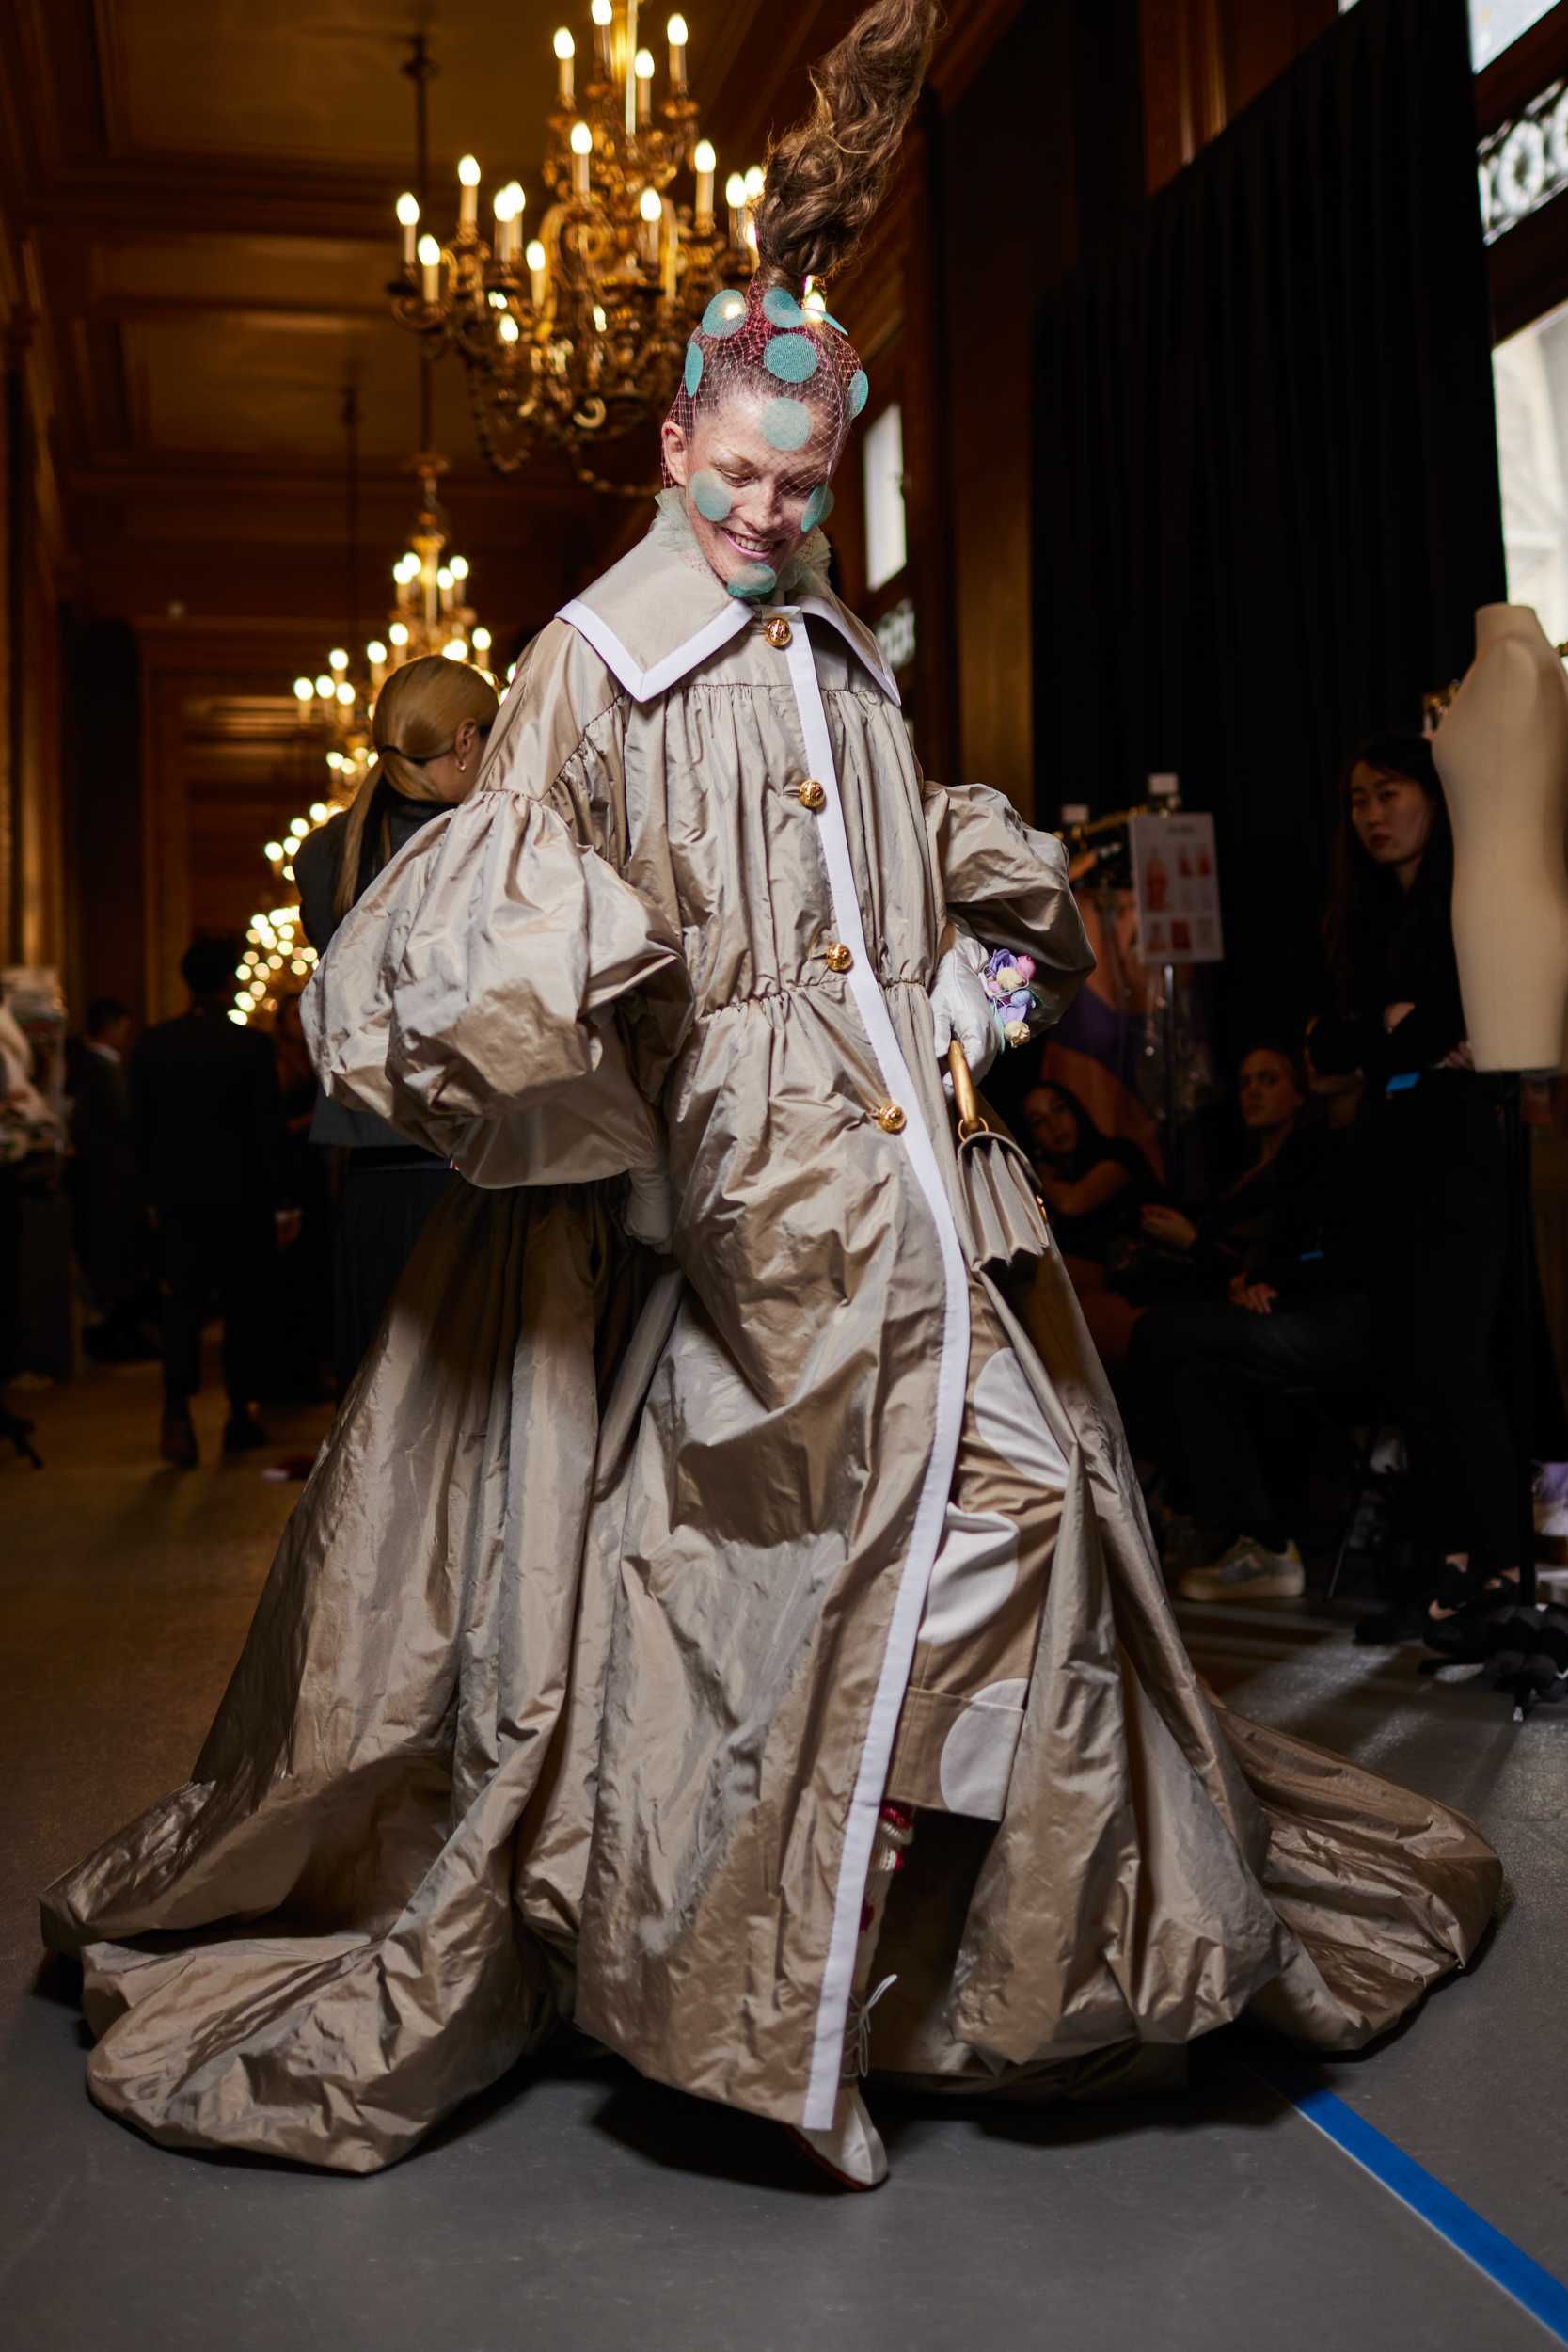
pixel 1544 2298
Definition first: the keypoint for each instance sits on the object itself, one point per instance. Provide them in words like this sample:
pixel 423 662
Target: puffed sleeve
pixel 477 996
pixel 1009 884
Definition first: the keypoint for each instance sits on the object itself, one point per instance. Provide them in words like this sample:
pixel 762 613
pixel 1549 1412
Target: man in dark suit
pixel 108 1220
pixel 208 1120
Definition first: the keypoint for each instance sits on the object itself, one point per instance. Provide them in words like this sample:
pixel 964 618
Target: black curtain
pixel 1265 474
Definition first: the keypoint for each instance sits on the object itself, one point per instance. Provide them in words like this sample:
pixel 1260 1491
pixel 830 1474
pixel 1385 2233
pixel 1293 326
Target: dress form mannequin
pixel 1502 753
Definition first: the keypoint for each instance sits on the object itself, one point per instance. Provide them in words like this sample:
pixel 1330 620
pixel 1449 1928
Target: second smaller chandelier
pixel 579 337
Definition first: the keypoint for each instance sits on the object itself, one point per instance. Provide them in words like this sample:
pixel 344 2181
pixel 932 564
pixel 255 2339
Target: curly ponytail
pixel 825 177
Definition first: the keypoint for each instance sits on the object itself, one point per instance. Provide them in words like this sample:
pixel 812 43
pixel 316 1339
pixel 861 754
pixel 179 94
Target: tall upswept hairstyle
pixel 824 180
pixel 825 177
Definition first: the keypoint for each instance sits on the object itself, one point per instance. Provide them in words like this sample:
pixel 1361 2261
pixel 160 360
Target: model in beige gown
pixel 643 1603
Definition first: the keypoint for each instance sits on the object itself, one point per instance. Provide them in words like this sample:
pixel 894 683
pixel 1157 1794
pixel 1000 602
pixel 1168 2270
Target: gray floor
pixel 586 2209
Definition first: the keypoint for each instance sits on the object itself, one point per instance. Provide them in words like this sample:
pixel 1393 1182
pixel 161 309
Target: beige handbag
pixel 1005 1212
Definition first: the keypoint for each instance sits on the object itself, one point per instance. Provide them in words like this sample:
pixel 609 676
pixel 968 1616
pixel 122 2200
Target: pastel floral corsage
pixel 1006 981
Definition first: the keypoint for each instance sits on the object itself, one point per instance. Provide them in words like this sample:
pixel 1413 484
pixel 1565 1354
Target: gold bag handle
pixel 964 1097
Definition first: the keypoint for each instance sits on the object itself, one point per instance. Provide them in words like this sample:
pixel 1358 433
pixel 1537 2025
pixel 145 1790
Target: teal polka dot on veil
pixel 694 370
pixel 817 507
pixel 859 391
pixel 752 579
pixel 791 358
pixel 724 312
pixel 780 308
pixel 709 496
pixel 786 423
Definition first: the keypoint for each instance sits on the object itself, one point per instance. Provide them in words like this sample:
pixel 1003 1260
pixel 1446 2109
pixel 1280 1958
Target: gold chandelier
pixel 432 614
pixel 578 338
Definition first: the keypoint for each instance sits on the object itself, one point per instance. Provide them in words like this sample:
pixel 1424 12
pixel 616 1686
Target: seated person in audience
pixel 1295 1321
pixel 1173 1255
pixel 1094 1186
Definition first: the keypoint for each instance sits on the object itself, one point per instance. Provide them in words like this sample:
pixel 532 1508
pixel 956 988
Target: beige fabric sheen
pixel 516 1730
pixel 963 1710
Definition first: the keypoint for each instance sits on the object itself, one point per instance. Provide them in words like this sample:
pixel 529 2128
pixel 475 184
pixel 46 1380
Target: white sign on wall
pixel 1177 889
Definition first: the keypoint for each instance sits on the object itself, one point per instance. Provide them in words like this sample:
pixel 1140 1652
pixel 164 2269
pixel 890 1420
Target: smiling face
pixel 747 500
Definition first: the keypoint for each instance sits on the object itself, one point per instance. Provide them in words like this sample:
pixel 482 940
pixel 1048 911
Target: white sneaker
pixel 851 2149
pixel 1248 1572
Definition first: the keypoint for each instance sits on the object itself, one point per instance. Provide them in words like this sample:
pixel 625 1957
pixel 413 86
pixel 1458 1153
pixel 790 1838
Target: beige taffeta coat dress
pixel 620 1589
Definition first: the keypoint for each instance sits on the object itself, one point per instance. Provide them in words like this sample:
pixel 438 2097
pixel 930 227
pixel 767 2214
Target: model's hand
pixel 1257 1298
pixel 1460 1056
pixel 960 1008
pixel 1169 1226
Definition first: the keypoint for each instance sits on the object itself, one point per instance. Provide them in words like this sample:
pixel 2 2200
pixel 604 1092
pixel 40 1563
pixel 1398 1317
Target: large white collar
pixel 653 617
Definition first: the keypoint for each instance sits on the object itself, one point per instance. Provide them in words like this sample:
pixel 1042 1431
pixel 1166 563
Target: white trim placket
pixel 925 1535
pixel 953 1370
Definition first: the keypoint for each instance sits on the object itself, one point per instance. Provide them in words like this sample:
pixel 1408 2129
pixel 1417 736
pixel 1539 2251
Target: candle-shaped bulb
pixel 408 213
pixel 582 146
pixel 535 260
pixel 704 163
pixel 676 30
pixel 652 212
pixel 375 653
pixel 643 66
pixel 468 173
pixel 565 50
pixel 304 689
pixel 430 264
pixel 459 567
pixel 603 15
pixel 703 156
pixel 734 190
pixel 755 182
pixel 338 659
pixel 506 327
pixel 601 12
pixel 675 33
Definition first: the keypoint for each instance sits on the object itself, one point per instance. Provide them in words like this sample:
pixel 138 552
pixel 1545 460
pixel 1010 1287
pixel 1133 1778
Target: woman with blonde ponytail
pixel 432 720
pixel 724 1613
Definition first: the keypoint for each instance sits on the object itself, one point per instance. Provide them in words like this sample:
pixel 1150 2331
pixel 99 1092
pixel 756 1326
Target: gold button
pixel 779 632
pixel 889 1118
pixel 812 795
pixel 839 958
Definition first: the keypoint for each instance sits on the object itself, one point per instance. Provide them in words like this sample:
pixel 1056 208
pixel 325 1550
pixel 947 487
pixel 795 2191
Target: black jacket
pixel 207 1112
pixel 317 864
pixel 319 859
